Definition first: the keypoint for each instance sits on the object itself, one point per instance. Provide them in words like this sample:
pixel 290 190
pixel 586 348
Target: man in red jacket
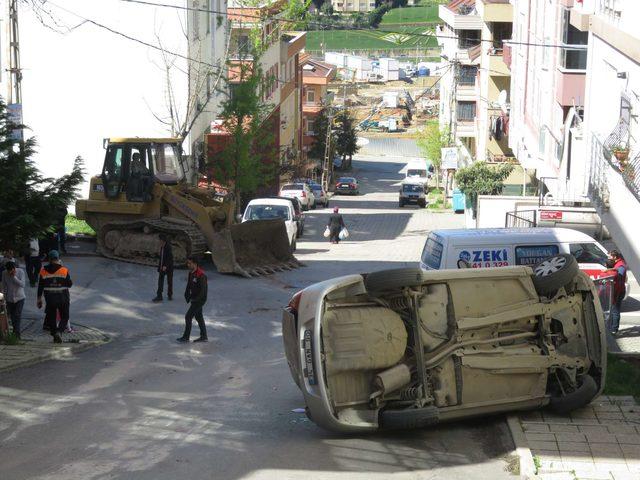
pixel 196 294
pixel 619 289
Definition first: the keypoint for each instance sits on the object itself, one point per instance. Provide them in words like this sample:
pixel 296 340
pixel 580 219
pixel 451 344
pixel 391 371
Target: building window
pixel 467 74
pixel 310 126
pixel 195 17
pixel 311 96
pixel 466 111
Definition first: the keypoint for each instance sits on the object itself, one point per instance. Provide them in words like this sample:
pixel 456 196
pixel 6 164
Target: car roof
pixel 288 199
pixel 483 236
pixel 296 184
pixel 269 201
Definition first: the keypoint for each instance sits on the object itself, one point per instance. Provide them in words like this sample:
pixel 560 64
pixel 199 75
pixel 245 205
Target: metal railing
pixel 521 219
pixel 598 184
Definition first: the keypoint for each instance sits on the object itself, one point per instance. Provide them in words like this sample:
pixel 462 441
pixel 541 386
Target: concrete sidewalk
pixel 600 441
pixel 37 345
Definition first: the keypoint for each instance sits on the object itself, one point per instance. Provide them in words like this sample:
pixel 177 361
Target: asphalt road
pixel 146 407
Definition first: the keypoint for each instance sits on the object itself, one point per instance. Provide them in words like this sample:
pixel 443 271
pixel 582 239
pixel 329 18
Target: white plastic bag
pixel 344 233
pixel 326 233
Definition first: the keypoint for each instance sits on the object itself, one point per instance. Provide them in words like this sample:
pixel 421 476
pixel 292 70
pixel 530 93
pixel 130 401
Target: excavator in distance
pixel 143 192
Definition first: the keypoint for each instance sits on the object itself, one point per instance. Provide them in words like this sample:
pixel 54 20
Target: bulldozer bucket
pixel 253 248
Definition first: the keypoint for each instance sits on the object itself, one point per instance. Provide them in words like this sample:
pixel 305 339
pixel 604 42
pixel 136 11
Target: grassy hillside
pixel 400 16
pixel 370 39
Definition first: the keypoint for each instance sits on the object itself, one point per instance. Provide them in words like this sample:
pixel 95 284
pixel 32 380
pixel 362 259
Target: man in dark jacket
pixel 196 294
pixel 165 267
pixel 335 224
pixel 54 283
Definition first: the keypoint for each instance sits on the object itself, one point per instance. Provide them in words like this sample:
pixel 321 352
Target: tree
pixel 320 125
pixel 297 11
pixel 430 141
pixel 248 161
pixel 346 138
pixel 482 179
pixel 27 198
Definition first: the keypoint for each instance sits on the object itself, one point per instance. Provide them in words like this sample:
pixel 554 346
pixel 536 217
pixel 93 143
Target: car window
pixel 316 188
pixel 432 253
pixel 346 180
pixel 533 254
pixel 412 188
pixel 416 173
pixel 267 212
pixel 588 253
pixel 293 186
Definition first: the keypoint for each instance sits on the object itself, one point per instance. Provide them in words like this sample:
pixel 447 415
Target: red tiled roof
pixel 454 5
pixel 320 69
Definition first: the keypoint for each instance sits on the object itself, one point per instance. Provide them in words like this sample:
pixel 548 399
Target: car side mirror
pixel 239 218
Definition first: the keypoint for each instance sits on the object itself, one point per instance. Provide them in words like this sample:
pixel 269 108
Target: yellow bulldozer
pixel 143 192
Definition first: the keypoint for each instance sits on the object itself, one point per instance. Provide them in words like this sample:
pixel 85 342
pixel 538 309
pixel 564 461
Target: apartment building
pixel 207 35
pixel 459 37
pixel 611 132
pixel 280 63
pixel 345 6
pixel 548 58
pixel 316 77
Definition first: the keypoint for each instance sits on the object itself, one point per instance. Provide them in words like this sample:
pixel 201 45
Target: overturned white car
pixel 406 348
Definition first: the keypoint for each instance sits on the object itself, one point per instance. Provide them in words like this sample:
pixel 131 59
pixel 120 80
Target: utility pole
pixel 327 163
pixel 14 97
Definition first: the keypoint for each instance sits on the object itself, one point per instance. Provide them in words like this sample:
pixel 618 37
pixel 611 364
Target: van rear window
pixel 533 254
pixel 432 253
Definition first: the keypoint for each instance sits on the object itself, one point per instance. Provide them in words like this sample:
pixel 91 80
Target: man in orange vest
pixel 54 283
pixel 619 289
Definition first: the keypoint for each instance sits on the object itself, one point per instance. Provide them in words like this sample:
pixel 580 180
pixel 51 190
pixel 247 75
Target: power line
pixel 323 25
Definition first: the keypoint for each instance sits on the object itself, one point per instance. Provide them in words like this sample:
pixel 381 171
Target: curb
pixel 60 352
pixel 526 466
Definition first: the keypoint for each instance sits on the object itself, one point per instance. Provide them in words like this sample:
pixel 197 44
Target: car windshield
pixel 316 188
pixel 588 253
pixel 293 186
pixel 266 212
pixel 416 173
pixel 346 180
pixel 412 188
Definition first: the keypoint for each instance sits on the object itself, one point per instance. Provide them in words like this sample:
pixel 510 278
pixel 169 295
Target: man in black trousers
pixel 196 294
pixel 165 267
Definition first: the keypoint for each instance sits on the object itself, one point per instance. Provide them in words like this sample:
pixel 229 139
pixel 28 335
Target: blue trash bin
pixel 457 203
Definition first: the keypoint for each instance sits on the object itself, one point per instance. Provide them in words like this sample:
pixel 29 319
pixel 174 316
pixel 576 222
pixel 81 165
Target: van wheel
pixel 393 279
pixel 409 418
pixel 553 273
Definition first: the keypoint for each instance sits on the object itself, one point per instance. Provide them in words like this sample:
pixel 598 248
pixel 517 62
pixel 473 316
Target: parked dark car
pixel 299 214
pixel 347 185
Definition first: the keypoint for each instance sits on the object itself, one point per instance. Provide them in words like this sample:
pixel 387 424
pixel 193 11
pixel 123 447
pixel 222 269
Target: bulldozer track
pixel 191 234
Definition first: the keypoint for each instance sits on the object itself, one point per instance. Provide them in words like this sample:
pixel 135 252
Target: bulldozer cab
pixel 133 166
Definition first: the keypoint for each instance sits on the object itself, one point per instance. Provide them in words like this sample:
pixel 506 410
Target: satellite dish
pixel 502 98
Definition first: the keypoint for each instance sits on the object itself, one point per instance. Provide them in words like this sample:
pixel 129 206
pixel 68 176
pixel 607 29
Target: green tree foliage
pixel 482 179
pixel 430 141
pixel 297 11
pixel 249 159
pixel 346 138
pixel 375 16
pixel 321 123
pixel 27 198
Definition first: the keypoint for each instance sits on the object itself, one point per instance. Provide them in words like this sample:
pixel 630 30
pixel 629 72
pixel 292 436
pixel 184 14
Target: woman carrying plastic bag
pixel 336 226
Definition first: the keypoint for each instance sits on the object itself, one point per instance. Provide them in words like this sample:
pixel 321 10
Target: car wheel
pixel 313 206
pixel 581 396
pixel 393 279
pixel 401 204
pixel 553 273
pixel 409 418
pixel 422 204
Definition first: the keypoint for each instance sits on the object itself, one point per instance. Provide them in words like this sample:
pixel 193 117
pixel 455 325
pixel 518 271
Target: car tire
pixel 409 418
pixel 553 273
pixel 393 279
pixel 313 206
pixel 581 396
pixel 422 204
pixel 401 204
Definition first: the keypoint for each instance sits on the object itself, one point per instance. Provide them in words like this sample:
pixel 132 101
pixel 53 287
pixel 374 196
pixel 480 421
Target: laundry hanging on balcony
pixel 498 126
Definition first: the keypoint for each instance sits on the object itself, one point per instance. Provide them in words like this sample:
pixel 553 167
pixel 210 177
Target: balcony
pixel 459 20
pixel 312 107
pixel 495 10
pixel 466 128
pixel 497 65
pixel 570 76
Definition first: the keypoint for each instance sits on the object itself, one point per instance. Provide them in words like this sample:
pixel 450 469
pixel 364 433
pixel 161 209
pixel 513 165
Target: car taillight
pixel 352 185
pixel 304 194
pixel 294 303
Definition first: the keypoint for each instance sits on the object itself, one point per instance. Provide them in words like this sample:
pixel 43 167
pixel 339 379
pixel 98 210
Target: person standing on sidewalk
pixel 13 289
pixel 165 268
pixel 196 294
pixel 619 289
pixel 32 261
pixel 54 284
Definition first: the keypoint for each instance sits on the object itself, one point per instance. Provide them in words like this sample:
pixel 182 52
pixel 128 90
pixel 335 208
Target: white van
pixel 274 208
pixel 502 247
pixel 417 172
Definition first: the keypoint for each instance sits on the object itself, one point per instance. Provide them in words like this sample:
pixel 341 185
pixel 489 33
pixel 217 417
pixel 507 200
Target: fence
pixel 521 219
